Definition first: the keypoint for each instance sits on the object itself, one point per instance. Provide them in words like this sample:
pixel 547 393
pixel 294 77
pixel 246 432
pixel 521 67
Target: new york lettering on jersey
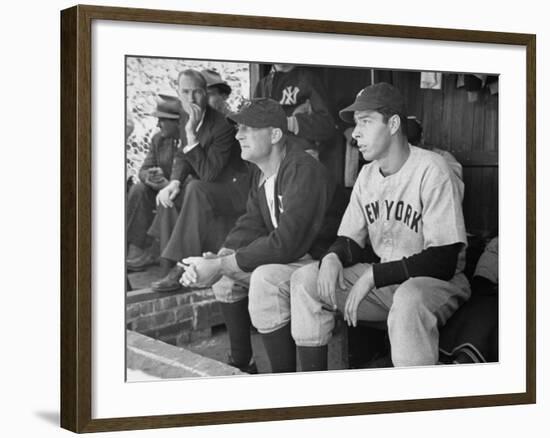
pixel 399 211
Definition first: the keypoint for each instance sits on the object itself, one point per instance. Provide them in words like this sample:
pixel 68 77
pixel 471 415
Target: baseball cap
pixel 373 97
pixel 261 113
pixel 214 79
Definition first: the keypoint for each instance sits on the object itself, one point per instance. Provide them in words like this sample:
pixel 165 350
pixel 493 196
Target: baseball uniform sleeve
pixel 442 216
pixel 354 222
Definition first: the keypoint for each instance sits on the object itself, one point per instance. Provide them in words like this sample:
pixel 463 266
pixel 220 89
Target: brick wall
pixel 176 319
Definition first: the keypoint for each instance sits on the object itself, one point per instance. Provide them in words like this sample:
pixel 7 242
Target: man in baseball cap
pixel 406 210
pixel 283 229
pixel 373 98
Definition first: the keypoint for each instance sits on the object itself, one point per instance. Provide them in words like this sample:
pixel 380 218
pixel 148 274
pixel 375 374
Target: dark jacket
pixel 292 89
pixel 161 154
pixel 303 196
pixel 217 157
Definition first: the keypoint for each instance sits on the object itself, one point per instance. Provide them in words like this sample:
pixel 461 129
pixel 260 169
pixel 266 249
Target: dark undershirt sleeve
pixel 347 250
pixel 436 262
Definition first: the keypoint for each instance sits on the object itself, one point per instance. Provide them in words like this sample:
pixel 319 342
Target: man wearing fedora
pixel 287 221
pixel 208 183
pixel 218 91
pixel 153 174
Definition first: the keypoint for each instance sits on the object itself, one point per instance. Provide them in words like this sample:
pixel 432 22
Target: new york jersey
pixel 402 214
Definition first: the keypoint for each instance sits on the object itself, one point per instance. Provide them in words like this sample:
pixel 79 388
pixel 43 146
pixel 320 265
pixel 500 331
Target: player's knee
pixel 267 304
pixel 304 279
pixel 262 288
pixel 409 296
pixel 409 305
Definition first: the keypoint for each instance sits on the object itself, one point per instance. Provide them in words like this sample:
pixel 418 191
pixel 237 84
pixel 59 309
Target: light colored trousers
pixel 268 291
pixel 413 309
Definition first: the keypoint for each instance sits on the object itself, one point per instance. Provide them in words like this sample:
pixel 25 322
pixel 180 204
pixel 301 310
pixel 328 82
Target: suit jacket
pixel 161 154
pixel 217 157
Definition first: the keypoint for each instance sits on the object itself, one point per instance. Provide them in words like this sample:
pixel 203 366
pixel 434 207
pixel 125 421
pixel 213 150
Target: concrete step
pixel 158 360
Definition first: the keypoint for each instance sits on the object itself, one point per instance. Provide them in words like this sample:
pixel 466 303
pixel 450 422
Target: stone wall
pixel 147 77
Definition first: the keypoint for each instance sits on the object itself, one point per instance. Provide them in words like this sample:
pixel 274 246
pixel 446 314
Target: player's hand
pixel 201 271
pixel 357 294
pixel 155 179
pixel 167 195
pixel 331 275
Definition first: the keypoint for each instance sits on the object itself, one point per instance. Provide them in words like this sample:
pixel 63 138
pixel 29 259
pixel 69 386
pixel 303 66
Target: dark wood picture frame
pixel 76 218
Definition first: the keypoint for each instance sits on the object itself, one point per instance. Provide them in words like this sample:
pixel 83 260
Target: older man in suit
pixel 208 183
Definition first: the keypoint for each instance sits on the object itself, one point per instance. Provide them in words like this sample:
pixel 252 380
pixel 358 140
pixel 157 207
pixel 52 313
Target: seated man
pixel 287 222
pixel 406 205
pixel 152 178
pixel 208 184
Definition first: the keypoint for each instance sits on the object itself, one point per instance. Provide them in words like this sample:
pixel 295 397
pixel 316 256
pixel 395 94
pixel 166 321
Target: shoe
pixel 249 368
pixel 171 282
pixel 134 252
pixel 140 263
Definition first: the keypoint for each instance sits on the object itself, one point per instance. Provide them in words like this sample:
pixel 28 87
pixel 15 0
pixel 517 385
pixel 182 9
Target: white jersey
pixel 402 214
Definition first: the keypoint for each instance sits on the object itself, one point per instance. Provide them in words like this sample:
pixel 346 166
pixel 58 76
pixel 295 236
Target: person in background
pixel 303 98
pixel 415 135
pixel 218 91
pixel 153 174
pixel 207 187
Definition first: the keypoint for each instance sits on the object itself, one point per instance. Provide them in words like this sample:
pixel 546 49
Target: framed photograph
pixel 180 129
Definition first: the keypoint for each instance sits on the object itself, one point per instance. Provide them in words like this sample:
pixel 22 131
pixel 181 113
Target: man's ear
pixel 276 135
pixel 395 124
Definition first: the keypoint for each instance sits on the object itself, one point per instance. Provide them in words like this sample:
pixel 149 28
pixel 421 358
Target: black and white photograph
pixel 292 218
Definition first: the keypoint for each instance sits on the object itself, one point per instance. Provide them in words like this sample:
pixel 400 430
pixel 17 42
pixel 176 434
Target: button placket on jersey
pixel 387 240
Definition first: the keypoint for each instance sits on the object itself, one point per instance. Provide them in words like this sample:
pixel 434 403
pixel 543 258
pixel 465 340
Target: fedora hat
pixel 168 107
pixel 213 79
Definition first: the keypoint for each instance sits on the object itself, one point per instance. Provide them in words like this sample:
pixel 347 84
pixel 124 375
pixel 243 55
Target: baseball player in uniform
pixel 288 224
pixel 405 206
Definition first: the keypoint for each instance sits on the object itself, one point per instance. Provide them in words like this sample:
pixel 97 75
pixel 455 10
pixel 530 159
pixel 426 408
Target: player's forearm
pixel 347 250
pixel 436 262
